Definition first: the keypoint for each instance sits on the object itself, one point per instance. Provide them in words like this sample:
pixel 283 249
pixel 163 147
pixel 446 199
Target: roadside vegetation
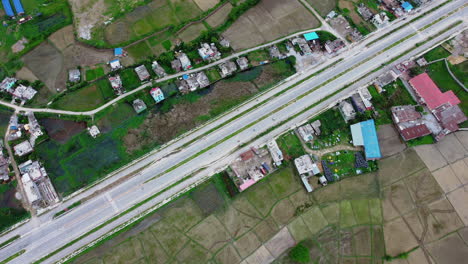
pixel 11 210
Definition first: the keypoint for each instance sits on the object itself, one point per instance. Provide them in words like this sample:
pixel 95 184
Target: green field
pixel 86 98
pixel 95 73
pixel 291 145
pixel 130 79
pixel 11 211
pixel 437 53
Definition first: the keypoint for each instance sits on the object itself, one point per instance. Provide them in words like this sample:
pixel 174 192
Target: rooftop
pixel 430 93
pixel 364 134
pixel 311 36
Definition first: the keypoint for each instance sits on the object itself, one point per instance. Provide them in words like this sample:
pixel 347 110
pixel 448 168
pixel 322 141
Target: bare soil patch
pixel 280 242
pixel 87 14
pixel 219 16
pixel 269 20
pixel 26 74
pixel 183 117
pixel 451 249
pixel 192 32
pixel 397 237
pixel 62 130
pixel 389 140
pixel 323 7
pixel 206 4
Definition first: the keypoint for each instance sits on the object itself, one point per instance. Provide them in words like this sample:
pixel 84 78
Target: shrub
pixel 299 253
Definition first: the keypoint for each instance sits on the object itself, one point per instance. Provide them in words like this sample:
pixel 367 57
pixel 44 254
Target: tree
pixel 299 253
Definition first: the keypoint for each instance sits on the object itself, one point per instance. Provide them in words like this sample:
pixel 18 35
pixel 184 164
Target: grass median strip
pixel 10 258
pixel 8 241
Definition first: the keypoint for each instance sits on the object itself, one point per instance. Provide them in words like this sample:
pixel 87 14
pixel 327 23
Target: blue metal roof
pixel 7 7
pixel 18 6
pixel 311 36
pixel 407 6
pixel 118 51
pixel 185 76
pixel 371 142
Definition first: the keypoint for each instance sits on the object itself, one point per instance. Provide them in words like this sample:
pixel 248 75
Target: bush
pixel 299 253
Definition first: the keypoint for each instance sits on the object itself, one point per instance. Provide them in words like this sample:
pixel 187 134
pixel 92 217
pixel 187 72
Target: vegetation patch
pixel 11 211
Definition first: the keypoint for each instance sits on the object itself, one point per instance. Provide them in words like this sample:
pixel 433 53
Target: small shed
pixel 311 36
pixel 118 52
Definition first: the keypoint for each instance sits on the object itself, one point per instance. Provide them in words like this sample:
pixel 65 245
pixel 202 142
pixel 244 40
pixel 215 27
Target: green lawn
pixel 421 141
pixel 84 99
pixel 140 51
pixel 258 56
pixel 11 211
pixel 291 145
pixel 437 53
pixel 130 79
pixel 95 73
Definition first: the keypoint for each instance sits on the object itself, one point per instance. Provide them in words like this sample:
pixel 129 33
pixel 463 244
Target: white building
pixel 306 131
pixel 94 131
pixel 31 190
pixel 275 152
pixel 23 148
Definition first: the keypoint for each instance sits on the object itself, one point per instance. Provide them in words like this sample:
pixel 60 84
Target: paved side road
pixel 53 234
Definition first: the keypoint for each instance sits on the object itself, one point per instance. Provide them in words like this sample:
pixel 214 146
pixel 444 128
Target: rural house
pixel 158 69
pixel 138 105
pixel 365 134
pixel 74 75
pixel 243 63
pixel 116 84
pixel 142 72
pixel 227 68
pixel 157 94
pixel 347 110
pixel 209 52
pixel 409 122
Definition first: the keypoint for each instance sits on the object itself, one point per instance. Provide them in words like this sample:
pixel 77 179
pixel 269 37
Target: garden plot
pixel 267 21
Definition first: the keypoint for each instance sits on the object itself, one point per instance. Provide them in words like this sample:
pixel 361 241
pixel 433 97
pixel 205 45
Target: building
pixel 24 92
pixel 331 15
pixel 365 134
pixel 7 7
pixel 306 132
pixel 421 62
pixel 176 65
pixel 303 45
pixel 275 53
pixel 429 94
pixel 119 52
pixel 334 46
pixel 74 75
pixel 225 43
pixel 275 152
pixel 7 84
pixel 347 110
pixel 23 148
pixel 192 82
pixel 243 63
pixel 311 36
pixel 209 52
pixel 35 175
pixel 184 61
pixel 316 126
pixel 250 167
pixel 4 168
pixel 142 73
pixel 386 78
pixel 409 122
pixel 202 79
pixel 305 166
pixel 116 84
pixel 158 69
pixel 18 7
pixel 94 131
pixel 366 97
pixel 449 117
pixel 139 106
pixel 115 64
pixel 365 12
pixel 31 190
pixel 157 94
pixel 407 6
pixel 380 20
pixel 227 68
pixel 358 103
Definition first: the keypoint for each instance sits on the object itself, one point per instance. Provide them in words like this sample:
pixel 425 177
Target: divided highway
pixel 43 235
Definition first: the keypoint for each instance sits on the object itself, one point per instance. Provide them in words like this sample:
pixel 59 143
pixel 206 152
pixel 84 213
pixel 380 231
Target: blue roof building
pixel 118 52
pixel 407 6
pixel 18 7
pixel 311 36
pixel 365 134
pixel 7 8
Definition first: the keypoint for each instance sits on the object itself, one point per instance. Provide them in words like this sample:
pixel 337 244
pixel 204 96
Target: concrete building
pixel 366 97
pixel 202 79
pixel 32 192
pixel 347 110
pixel 407 7
pixel 184 60
pixel 24 92
pixel 7 84
pixel 303 45
pixel 158 69
pixel 157 94
pixel 386 78
pixel 225 43
pixel 116 84
pixel 209 52
pixel 142 73
pixel 365 134
pixel 316 126
pixel 306 132
pixel 138 105
pixel 250 167
pixel 227 68
pixel 23 148
pixel 275 53
pixel 380 20
pixel 275 152
pixel 39 183
pixel 243 63
pixel 115 64
pixel 74 75
pixel 334 46
pixel 176 65
pixel 357 103
pixel 365 12
pixel 409 122
pixel 305 166
pixel 94 131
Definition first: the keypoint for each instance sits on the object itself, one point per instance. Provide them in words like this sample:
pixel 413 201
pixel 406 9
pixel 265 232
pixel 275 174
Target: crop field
pixel 191 32
pixel 219 16
pixel 62 130
pixel 12 211
pixel 267 21
pixel 84 99
pixel 92 74
pixel 323 7
pixel 155 16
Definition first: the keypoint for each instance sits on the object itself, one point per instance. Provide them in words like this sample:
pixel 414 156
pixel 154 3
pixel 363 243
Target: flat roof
pixel 311 36
pixel 356 133
pixel 118 51
pixel 407 6
pixel 371 142
pixel 7 8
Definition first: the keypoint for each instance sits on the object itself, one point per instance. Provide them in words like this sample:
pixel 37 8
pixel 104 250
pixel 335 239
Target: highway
pixel 43 235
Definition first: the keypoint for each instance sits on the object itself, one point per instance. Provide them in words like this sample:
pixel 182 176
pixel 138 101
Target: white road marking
pixel 111 201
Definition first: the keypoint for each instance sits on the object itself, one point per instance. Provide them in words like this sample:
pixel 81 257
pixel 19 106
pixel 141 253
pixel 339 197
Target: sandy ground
pixel 87 14
pixel 206 4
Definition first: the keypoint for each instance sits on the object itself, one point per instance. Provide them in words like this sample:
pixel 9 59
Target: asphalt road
pixel 49 235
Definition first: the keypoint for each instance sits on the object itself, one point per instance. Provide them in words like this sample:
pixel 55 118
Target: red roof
pixel 430 93
pixel 415 132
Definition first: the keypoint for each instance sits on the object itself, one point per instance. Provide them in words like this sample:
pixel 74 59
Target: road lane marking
pixel 112 202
